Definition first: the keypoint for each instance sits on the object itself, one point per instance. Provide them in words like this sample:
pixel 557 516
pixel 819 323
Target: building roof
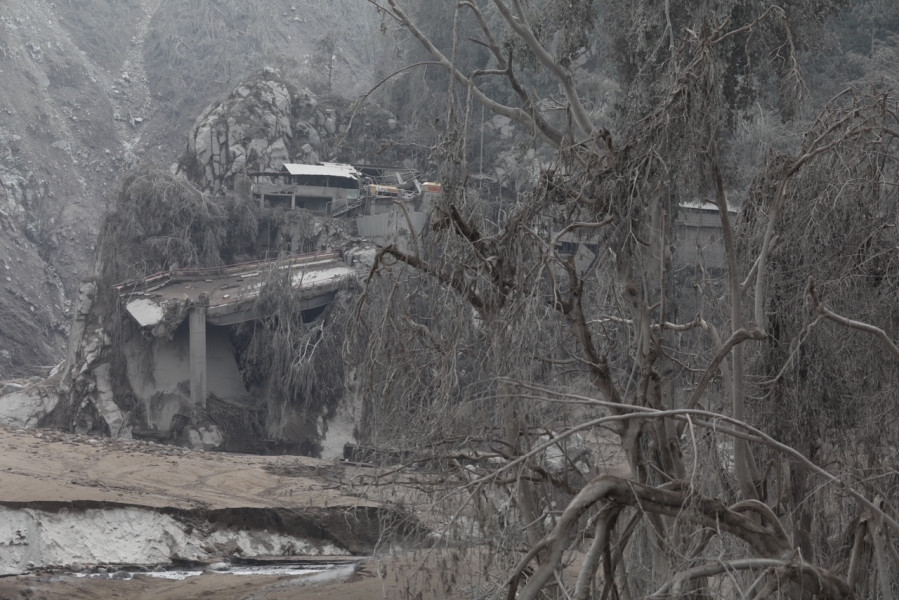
pixel 329 169
pixel 706 205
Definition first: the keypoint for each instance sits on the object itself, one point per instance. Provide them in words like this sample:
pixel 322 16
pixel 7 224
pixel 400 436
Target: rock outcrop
pixel 250 130
pixel 267 121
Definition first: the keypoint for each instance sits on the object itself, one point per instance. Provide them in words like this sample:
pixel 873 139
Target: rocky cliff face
pixel 267 121
pixel 59 151
pixel 251 130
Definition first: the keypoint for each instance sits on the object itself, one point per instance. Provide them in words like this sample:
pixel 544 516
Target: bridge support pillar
pixel 198 352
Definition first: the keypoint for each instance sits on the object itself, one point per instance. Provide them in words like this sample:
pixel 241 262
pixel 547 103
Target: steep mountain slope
pixel 59 152
pixel 196 52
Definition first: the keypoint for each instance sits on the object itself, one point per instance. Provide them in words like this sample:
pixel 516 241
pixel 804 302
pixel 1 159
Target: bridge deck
pixel 232 290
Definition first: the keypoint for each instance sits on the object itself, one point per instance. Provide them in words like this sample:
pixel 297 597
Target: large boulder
pixel 249 130
pixel 267 121
pixel 25 406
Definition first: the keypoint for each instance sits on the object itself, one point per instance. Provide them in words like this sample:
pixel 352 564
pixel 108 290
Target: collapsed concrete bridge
pixel 229 292
pixel 208 300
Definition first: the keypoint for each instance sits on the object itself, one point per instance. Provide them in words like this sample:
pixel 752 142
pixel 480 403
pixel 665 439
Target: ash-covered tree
pixel 324 55
pixel 598 439
pixel 291 361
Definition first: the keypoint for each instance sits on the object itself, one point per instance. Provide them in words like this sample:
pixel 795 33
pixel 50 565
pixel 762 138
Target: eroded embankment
pixel 69 499
pixel 43 536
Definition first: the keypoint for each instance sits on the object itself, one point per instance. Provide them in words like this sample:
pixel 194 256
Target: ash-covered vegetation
pixel 606 418
pixel 289 360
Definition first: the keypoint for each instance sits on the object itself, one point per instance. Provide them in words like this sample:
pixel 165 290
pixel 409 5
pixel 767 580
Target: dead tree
pixel 501 348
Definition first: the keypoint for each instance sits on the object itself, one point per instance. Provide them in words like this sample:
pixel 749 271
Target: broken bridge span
pixel 226 296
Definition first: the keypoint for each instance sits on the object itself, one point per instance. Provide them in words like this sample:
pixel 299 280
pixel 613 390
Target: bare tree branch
pixel 605 523
pixel 703 511
pixel 519 115
pixel 738 337
pixel 797 569
pixel 519 23
pixel 847 322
